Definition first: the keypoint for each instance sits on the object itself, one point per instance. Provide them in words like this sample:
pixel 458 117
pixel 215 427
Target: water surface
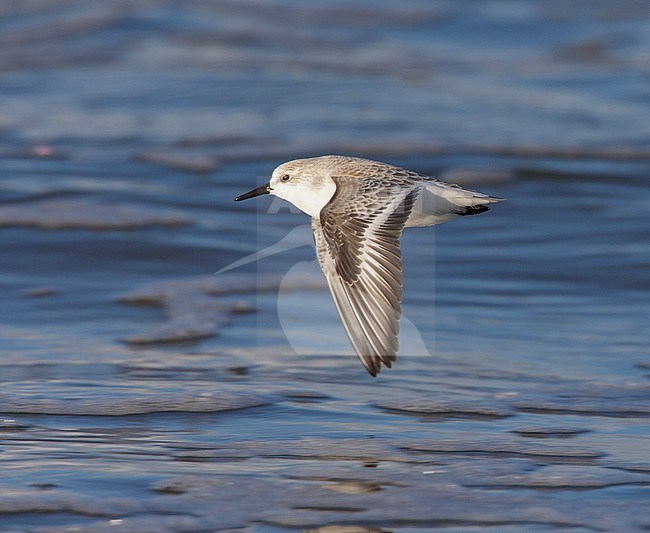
pixel 142 392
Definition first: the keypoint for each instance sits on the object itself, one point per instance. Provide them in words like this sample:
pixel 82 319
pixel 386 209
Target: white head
pixel 306 183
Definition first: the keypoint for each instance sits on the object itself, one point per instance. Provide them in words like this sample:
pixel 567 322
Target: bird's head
pixel 306 183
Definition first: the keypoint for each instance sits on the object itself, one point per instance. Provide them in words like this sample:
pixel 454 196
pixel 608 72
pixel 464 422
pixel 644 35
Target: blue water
pixel 140 391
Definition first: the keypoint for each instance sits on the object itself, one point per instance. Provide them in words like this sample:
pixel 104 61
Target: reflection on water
pixel 141 391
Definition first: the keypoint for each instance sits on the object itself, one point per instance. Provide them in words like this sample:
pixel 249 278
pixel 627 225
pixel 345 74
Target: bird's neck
pixel 311 199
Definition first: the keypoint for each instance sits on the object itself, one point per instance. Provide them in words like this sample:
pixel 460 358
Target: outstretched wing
pixel 357 243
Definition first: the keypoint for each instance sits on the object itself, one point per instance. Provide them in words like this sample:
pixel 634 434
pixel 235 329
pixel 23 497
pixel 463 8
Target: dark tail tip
pixel 473 210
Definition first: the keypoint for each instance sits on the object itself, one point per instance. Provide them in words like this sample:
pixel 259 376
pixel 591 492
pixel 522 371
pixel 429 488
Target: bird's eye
pixel 286 177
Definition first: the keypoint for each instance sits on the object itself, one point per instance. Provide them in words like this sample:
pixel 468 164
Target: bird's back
pixel 437 201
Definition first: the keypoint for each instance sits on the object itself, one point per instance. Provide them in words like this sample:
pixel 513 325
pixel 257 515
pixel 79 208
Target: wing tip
pixel 372 363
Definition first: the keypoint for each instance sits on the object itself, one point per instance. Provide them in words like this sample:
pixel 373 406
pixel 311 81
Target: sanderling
pixel 358 209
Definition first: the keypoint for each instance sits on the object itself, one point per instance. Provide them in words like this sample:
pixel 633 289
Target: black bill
pixel 264 189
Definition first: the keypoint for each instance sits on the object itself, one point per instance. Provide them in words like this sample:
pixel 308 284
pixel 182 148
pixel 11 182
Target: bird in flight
pixel 358 209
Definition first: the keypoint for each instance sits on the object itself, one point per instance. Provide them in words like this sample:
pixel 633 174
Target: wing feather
pixel 357 243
